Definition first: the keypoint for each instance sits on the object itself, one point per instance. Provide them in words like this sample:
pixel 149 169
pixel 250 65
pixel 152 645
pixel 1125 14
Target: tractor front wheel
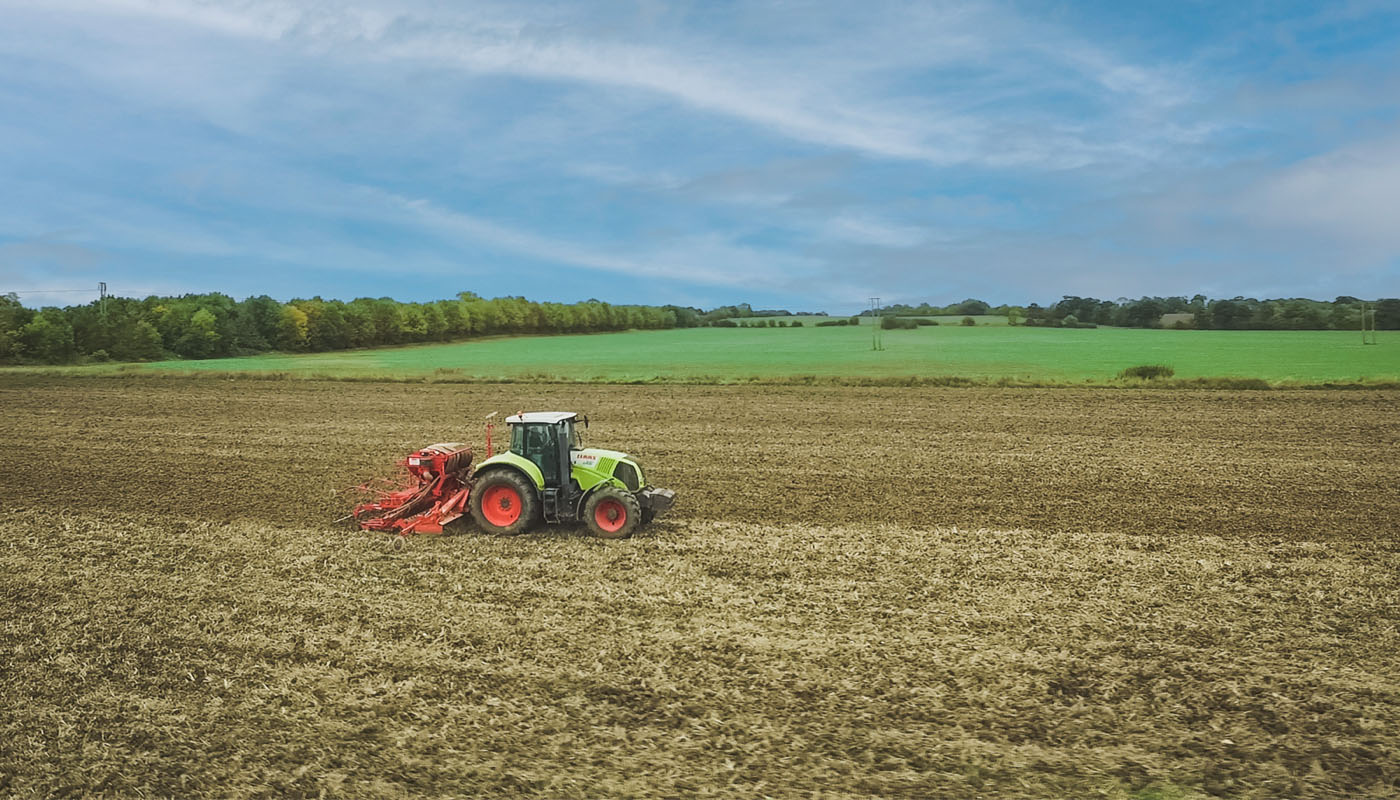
pixel 612 513
pixel 504 503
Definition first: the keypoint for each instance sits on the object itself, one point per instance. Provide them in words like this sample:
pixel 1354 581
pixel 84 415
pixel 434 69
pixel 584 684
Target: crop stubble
pixel 900 592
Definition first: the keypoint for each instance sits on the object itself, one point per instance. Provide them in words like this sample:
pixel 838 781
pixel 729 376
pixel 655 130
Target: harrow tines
pixel 428 496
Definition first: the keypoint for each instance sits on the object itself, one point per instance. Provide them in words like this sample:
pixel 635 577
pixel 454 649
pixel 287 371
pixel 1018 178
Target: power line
pixel 49 291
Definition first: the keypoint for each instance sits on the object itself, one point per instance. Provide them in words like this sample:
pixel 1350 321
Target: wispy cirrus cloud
pixel 711 259
pixel 825 99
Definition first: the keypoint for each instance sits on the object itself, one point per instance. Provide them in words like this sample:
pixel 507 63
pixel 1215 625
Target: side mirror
pixel 585 421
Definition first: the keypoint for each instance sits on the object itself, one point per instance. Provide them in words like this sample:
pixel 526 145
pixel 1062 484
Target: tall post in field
pixel 876 343
pixel 1368 323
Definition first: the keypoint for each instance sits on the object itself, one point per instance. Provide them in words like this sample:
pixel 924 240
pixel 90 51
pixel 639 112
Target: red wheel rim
pixel 610 515
pixel 500 505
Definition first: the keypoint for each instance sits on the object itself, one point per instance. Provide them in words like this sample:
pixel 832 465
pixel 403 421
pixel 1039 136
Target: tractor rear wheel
pixel 504 503
pixel 612 513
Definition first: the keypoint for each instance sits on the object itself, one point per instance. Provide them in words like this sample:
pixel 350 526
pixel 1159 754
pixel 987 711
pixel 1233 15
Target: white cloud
pixel 239 20
pixel 865 229
pixel 698 259
pixel 757 149
pixel 842 93
pixel 1349 195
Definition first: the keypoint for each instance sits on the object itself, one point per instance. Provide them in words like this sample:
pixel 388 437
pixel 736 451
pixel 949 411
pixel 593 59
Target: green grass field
pixel 944 319
pixel 741 354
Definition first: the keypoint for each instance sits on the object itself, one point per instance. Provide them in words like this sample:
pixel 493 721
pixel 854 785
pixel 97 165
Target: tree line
pixel 720 316
pixel 216 325
pixel 1239 313
pixel 1202 313
pixel 967 308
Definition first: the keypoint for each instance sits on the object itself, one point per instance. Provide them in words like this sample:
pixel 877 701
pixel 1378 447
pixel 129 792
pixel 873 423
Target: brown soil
pixel 1267 465
pixel 862 592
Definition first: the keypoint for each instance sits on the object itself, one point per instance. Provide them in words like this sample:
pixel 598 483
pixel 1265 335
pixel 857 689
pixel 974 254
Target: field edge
pixel 450 376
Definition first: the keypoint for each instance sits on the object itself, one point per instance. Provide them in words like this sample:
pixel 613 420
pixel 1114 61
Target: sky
pixel 802 155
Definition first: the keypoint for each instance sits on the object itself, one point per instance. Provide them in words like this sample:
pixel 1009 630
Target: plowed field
pixel 897 592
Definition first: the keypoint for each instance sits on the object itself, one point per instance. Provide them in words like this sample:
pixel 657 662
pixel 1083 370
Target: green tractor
pixel 548 475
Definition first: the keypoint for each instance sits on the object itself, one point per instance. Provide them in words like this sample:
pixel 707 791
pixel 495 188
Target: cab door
pixel 540 444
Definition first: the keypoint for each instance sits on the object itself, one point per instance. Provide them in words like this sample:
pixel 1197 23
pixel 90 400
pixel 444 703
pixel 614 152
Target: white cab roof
pixel 549 417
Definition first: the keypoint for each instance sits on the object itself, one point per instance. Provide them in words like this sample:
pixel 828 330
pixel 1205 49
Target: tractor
pixel 546 475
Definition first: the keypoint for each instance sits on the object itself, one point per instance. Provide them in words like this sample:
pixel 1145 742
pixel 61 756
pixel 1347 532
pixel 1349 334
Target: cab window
pixel 538 443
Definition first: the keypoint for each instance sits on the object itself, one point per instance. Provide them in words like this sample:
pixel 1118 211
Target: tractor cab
pixel 547 473
pixel 545 438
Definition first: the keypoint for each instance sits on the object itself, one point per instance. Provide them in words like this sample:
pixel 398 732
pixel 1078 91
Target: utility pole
pixel 102 298
pixel 875 341
pixel 1368 323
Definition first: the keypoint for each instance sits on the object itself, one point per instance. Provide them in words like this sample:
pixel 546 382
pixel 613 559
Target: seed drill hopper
pixel 441 486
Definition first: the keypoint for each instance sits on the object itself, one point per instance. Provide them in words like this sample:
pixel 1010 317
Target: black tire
pixel 612 513
pixel 506 490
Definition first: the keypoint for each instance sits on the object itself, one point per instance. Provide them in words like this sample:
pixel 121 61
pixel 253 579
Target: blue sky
pixel 795 154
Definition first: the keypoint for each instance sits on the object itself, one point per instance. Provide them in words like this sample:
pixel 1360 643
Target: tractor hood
pixel 592 465
pixel 590 456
